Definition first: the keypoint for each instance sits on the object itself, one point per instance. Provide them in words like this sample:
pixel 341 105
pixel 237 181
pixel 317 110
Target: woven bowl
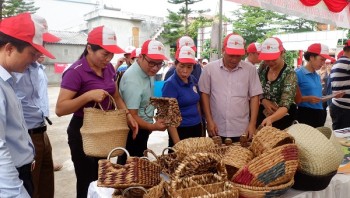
pixel 269 137
pixel 235 158
pixel 274 167
pixel 194 145
pixel 307 182
pixel 261 192
pixel 319 153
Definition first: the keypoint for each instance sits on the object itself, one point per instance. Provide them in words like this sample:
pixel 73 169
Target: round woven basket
pixel 194 145
pixel 274 167
pixel 262 192
pixel 319 153
pixel 307 182
pixel 269 137
pixel 235 158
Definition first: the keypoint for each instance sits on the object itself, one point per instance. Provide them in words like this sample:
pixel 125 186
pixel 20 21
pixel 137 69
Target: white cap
pixel 205 60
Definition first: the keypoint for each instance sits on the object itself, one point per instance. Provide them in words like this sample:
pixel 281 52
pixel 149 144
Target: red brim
pixel 187 60
pixel 113 49
pixel 269 56
pixel 326 56
pixel 47 37
pixel 44 51
pixel 230 51
pixel 194 48
pixel 157 56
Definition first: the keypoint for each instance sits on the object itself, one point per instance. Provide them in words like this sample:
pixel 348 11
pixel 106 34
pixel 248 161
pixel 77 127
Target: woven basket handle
pixel 145 153
pixel 144 109
pixel 194 161
pixel 111 102
pixel 133 187
pixel 115 149
pixel 168 148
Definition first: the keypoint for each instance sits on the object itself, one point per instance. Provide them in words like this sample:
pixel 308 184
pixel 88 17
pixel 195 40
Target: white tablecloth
pixel 338 188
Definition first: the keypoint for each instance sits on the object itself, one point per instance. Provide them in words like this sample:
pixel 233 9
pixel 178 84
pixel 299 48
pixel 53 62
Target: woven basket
pixel 136 172
pixel 267 138
pixel 104 130
pixel 201 175
pixel 168 162
pixel 262 192
pixel 192 145
pixel 319 154
pixel 274 167
pixel 167 109
pixel 235 158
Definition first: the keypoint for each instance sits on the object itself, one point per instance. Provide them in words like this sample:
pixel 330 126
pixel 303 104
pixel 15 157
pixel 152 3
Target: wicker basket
pixel 262 192
pixel 104 130
pixel 269 137
pixel 193 145
pixel 167 109
pixel 168 162
pixel 138 191
pixel 274 167
pixel 201 175
pixel 235 158
pixel 136 172
pixel 319 154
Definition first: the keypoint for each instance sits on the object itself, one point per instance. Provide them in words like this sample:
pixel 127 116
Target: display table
pixel 338 188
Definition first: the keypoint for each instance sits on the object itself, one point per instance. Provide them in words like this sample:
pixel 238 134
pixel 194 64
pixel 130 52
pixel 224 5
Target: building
pixel 131 29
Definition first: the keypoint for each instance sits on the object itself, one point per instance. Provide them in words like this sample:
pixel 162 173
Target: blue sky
pixel 63 14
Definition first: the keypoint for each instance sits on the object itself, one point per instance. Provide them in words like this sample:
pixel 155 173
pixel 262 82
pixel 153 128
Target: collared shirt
pixel 340 81
pixel 43 94
pixel 187 97
pixel 27 89
pixel 16 147
pixel 230 92
pixel 80 78
pixel 136 88
pixel 310 85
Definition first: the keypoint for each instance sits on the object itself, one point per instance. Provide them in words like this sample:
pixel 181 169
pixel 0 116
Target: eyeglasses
pixel 154 64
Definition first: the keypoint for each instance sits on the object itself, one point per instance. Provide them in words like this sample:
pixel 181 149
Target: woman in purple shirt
pixel 90 79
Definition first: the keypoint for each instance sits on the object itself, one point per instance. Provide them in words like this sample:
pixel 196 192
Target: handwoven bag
pixel 201 175
pixel 104 130
pixel 135 192
pixel 136 172
pixel 167 109
pixel 267 138
pixel 274 167
pixel 318 154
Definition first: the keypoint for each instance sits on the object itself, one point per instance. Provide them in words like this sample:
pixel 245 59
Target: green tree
pixel 185 10
pixel 13 7
pixel 173 28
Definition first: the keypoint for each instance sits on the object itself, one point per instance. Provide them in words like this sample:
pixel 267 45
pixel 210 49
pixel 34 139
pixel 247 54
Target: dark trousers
pixel 43 174
pixel 282 123
pixel 25 174
pixel 136 146
pixel 340 117
pixel 312 117
pixel 187 132
pixel 86 168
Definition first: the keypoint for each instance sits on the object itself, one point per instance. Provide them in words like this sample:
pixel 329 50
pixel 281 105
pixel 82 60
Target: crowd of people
pixel 227 97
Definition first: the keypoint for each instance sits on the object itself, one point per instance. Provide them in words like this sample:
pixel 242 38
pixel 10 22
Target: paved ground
pixel 65 178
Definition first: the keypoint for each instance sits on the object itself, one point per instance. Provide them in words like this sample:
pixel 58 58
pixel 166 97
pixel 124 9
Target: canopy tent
pixel 333 12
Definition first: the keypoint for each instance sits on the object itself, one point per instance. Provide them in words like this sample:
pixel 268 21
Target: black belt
pixel 37 130
pixel 28 168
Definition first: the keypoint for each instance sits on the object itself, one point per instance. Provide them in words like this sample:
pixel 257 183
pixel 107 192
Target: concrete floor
pixel 65 178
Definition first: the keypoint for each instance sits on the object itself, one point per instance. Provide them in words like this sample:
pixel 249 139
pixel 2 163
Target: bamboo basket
pixel 136 172
pixel 235 158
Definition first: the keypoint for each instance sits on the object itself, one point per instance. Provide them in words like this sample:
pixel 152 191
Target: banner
pixel 60 67
pixel 319 13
